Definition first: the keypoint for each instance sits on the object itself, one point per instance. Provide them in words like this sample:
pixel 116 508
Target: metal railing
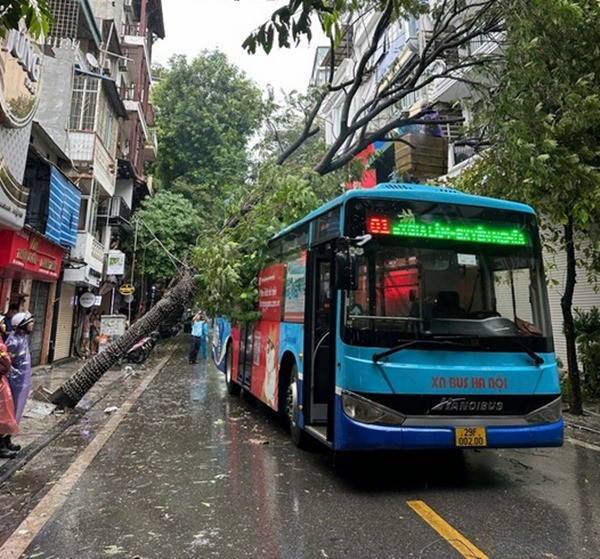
pixel 115 209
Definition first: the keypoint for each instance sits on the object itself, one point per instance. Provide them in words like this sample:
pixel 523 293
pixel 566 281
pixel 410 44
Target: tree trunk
pixel 566 304
pixel 69 394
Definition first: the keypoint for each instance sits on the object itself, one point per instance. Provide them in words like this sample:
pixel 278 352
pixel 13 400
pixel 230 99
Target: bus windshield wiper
pixel 378 356
pixel 538 360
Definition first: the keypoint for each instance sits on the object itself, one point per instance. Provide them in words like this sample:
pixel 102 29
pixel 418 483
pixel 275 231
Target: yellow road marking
pixel 22 537
pixel 454 538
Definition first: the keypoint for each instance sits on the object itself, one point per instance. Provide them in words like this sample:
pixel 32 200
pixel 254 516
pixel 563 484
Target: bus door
pixel 319 371
pixel 245 355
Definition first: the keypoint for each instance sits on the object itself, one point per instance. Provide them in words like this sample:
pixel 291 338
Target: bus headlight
pixel 550 413
pixel 365 411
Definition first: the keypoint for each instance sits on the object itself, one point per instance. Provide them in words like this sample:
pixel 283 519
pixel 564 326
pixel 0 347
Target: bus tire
pixel 233 388
pixel 299 437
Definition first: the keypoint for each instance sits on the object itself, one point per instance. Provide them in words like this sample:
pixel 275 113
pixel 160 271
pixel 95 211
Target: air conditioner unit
pixel 107 68
pixel 128 5
pixel 123 64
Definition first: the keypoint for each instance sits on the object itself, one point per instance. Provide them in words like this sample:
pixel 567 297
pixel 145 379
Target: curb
pixel 34 448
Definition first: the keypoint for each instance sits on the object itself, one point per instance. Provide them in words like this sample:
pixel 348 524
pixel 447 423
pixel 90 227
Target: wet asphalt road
pixel 193 472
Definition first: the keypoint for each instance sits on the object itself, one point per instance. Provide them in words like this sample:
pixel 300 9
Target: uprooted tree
pixel 69 394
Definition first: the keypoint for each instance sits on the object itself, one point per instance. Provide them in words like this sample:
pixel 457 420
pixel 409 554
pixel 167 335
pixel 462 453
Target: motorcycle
pixel 140 351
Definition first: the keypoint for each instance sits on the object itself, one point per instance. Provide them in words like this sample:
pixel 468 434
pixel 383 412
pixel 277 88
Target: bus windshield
pixel 442 271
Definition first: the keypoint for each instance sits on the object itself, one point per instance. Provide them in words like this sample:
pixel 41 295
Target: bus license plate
pixel 470 436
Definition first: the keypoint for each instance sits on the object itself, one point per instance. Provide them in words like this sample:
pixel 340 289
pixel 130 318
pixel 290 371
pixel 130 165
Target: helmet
pixel 21 319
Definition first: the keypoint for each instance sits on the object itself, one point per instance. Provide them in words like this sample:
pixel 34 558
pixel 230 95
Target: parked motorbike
pixel 140 351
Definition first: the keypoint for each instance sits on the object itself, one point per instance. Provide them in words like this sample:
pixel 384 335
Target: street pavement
pixel 42 422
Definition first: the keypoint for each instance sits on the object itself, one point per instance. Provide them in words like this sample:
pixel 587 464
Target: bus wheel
pixel 233 387
pixel 291 410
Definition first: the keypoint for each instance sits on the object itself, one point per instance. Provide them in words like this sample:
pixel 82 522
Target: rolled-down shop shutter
pixel 38 304
pixel 64 326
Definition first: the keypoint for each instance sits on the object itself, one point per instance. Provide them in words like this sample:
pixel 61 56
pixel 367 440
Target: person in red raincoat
pixel 8 423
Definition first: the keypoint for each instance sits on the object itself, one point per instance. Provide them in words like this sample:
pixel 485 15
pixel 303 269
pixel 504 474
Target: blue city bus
pixel 403 316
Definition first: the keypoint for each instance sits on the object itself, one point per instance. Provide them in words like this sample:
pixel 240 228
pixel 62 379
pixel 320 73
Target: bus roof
pixel 407 191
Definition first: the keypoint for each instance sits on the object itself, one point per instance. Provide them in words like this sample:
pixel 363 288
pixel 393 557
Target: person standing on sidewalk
pixel 13 309
pixel 199 335
pixel 19 377
pixel 8 423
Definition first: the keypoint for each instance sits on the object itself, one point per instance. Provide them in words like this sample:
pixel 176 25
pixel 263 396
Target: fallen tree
pixel 69 394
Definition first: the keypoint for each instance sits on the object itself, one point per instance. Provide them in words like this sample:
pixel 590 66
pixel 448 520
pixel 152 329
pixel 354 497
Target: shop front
pixel 29 269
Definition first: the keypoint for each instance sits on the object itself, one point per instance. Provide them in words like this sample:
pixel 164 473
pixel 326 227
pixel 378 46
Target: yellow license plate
pixel 470 436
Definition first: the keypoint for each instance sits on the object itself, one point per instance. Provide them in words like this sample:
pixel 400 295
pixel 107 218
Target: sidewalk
pixel 42 422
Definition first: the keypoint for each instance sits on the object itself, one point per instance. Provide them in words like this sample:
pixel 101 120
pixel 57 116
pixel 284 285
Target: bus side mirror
pixel 346 267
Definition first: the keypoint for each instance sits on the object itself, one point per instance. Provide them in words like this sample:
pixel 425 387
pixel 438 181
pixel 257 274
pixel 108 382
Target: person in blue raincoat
pixel 199 336
pixel 19 377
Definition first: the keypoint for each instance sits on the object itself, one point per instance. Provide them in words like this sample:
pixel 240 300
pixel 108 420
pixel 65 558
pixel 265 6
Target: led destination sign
pixel 474 233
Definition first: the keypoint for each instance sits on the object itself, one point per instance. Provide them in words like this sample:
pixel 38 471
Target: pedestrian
pixel 3 332
pixel 199 336
pixel 19 377
pixel 8 423
pixel 13 309
pixel 94 331
pixel 85 332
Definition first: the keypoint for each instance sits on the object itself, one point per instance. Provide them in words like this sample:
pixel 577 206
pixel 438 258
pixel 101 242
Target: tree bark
pixel 69 394
pixel 566 303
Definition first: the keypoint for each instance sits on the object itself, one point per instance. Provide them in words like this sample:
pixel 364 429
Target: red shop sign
pixel 29 255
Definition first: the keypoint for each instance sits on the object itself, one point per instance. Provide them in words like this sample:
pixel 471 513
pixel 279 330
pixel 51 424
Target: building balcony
pixel 129 93
pixel 151 147
pixel 88 153
pixel 114 210
pixel 53 206
pixel 86 261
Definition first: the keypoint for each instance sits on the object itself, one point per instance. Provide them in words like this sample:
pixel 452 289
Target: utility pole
pixel 135 237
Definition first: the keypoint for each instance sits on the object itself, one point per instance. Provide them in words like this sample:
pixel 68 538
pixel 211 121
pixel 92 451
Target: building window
pixel 83 104
pixel 66 18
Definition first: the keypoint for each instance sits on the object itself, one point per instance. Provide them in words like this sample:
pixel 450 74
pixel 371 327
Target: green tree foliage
pixel 544 123
pixel 36 15
pixel 171 219
pixel 207 110
pixel 587 336
pixel 229 261
pixel 293 21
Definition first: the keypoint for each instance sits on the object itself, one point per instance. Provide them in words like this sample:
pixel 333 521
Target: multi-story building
pixel 81 152
pixel 428 152
pixel 38 205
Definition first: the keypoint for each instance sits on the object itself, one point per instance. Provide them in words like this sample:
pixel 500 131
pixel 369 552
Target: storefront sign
pixel 116 263
pixel 127 289
pixel 112 327
pixel 20 73
pixel 29 256
pixel 87 300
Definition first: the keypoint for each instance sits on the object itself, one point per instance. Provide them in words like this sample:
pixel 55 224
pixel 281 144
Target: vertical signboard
pixel 20 72
pixel 270 292
pixel 266 334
